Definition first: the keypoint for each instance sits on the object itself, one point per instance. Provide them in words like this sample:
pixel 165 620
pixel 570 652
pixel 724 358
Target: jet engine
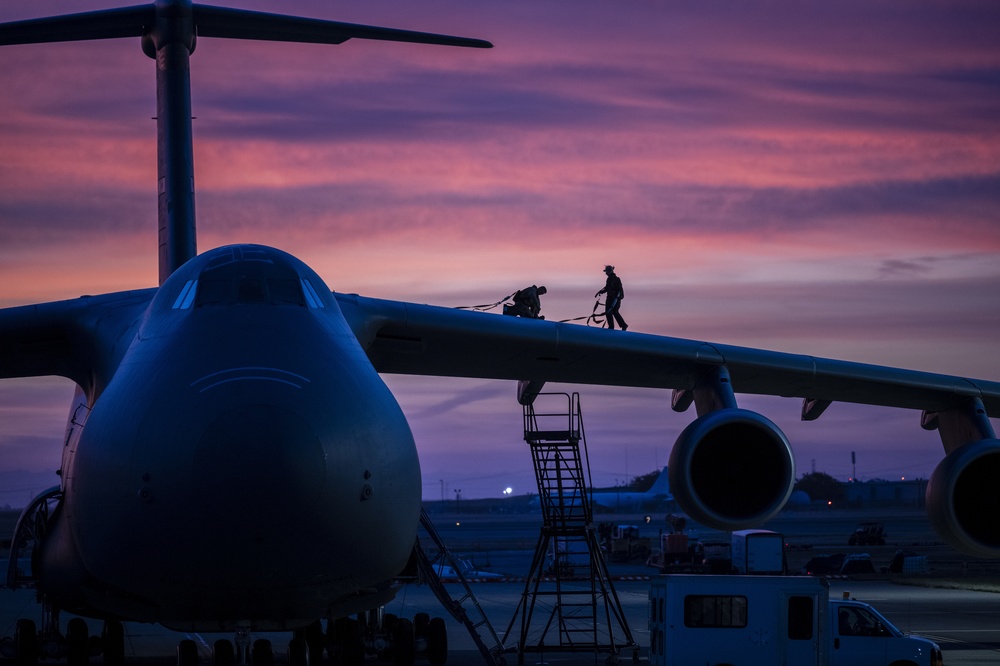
pixel 731 469
pixel 963 498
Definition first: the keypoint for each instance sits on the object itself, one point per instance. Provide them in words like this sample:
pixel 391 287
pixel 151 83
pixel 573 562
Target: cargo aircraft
pixel 234 462
pixel 647 500
pixel 651 499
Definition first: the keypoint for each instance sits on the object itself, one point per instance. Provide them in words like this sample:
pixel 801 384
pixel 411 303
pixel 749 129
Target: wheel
pixel 77 642
pixel 262 654
pixel 437 642
pixel 314 638
pixel 298 652
pixel 113 643
pixel 403 653
pixel 26 643
pixel 345 642
pixel 223 653
pixel 420 622
pixel 187 653
pixel 389 621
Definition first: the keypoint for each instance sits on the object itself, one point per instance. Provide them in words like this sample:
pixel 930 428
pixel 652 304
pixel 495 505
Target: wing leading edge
pixel 405 338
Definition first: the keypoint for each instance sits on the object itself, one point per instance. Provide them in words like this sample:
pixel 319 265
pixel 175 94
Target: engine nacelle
pixel 963 498
pixel 731 469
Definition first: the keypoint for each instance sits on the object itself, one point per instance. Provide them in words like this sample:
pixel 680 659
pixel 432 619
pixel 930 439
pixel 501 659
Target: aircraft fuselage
pixel 244 465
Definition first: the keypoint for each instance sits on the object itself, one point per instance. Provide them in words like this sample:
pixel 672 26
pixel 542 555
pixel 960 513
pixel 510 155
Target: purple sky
pixel 821 179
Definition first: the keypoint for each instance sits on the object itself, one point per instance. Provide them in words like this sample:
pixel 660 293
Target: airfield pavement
pixel 956 603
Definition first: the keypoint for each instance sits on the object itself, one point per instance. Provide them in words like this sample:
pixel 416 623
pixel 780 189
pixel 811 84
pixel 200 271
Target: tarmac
pixel 954 603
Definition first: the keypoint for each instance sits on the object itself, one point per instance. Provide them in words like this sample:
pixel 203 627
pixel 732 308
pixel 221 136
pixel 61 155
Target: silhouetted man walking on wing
pixel 615 294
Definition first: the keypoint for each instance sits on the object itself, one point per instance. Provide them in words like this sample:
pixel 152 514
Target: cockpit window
pixel 247 275
pixel 312 298
pixel 285 291
pixel 186 297
pixel 249 289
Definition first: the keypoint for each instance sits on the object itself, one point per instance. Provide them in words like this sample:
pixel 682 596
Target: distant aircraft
pixel 649 500
pixel 625 500
pixel 234 461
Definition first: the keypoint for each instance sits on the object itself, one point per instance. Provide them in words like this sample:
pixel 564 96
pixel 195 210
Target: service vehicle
pixel 758 552
pixel 868 534
pixel 712 620
pixel 623 544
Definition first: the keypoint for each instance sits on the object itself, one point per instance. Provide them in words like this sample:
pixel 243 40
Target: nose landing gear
pixel 387 637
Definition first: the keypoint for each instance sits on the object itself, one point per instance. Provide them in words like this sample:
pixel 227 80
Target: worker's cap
pixel 542 290
pixel 609 267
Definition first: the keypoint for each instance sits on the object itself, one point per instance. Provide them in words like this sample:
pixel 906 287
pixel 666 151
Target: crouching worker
pixel 526 303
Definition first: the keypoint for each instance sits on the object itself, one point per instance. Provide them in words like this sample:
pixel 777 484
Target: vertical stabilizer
pixel 171 40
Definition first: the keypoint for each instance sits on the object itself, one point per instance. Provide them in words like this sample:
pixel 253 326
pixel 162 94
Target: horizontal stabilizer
pixel 245 24
pixel 102 24
pixel 210 21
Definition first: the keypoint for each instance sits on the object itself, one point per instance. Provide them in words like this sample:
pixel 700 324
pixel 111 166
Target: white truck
pixel 758 552
pixel 716 620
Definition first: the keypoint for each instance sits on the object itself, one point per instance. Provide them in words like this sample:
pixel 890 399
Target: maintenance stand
pixel 569 605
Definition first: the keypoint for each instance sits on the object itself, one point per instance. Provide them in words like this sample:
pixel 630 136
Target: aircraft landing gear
pixel 387 637
pixel 30 645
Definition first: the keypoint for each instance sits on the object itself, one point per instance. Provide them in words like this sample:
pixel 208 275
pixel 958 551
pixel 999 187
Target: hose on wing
pixel 596 318
pixel 488 306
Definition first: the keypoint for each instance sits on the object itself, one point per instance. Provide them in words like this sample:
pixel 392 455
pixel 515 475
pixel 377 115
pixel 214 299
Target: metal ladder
pixel 428 571
pixel 576 588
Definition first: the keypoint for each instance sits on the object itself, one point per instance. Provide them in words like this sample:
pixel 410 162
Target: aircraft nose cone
pixel 259 462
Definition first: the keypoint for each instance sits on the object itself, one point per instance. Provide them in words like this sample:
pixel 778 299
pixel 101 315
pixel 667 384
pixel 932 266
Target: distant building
pixel 882 493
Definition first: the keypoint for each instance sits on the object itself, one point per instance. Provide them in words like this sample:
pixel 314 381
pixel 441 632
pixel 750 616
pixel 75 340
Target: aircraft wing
pixel 407 338
pixel 68 338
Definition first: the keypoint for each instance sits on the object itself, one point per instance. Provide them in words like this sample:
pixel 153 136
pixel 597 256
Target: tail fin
pixel 168 30
pixel 662 484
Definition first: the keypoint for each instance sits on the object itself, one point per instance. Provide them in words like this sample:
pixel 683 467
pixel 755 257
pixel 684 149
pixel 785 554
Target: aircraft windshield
pixel 247 275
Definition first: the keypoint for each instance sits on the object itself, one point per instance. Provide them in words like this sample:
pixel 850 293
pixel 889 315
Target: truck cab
pixel 862 637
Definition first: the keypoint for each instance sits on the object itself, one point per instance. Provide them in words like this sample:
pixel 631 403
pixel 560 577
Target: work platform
pixel 569 603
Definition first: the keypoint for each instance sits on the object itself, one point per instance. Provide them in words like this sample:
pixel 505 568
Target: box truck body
pixel 714 620
pixel 758 552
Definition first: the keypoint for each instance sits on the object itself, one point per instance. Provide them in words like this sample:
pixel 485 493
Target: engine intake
pixel 963 498
pixel 731 469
